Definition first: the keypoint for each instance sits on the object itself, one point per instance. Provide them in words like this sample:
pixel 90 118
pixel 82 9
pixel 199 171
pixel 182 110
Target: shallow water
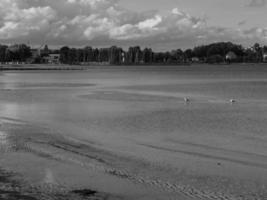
pixel 140 113
pixel 3 138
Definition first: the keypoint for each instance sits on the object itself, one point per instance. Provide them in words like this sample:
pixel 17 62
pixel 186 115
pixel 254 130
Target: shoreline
pixel 39 67
pixel 28 67
pixel 64 67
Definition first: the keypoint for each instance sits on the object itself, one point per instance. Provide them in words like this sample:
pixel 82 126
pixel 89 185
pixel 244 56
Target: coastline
pixel 65 67
pixel 28 67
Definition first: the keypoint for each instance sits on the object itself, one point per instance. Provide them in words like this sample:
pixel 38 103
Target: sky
pixel 159 24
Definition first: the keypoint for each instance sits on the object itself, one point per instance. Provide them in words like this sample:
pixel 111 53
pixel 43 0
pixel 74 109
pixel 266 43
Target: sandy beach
pixel 127 133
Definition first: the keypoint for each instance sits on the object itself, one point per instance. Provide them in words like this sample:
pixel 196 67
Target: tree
pixel 167 57
pixel 188 53
pixel 214 50
pixel 73 56
pixel 3 49
pixel 64 55
pixel 104 54
pixel 201 52
pixel 147 56
pixel 80 55
pixel 95 55
pixel 258 50
pixel 88 54
pixel 18 53
pixel 115 55
pixel 24 52
pixel 134 55
pixel 220 48
pixel 250 55
pixel 179 55
pixel 215 59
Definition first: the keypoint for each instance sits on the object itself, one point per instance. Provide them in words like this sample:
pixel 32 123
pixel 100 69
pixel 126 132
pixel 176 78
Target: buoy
pixel 186 99
pixel 232 100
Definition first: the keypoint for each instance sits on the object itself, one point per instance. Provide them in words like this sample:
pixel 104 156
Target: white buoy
pixel 232 100
pixel 186 100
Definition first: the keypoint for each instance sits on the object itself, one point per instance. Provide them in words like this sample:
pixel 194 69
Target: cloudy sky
pixel 160 24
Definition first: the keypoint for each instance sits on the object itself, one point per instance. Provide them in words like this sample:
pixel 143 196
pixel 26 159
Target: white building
pixel 195 59
pixel 230 56
pixel 52 59
pixel 264 57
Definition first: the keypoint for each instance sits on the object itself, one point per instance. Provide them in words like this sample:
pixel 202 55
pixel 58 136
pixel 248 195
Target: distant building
pixel 230 56
pixel 195 59
pixel 123 59
pixel 45 51
pixel 264 57
pixel 52 59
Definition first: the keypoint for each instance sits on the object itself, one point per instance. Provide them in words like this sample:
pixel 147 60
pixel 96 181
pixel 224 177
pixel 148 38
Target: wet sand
pixel 128 134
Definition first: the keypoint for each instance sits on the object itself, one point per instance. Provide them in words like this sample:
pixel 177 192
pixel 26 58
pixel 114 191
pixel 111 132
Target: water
pixel 140 112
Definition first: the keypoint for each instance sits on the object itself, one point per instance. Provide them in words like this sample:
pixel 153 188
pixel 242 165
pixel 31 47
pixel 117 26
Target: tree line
pixel 116 55
pixel 216 52
pixel 212 53
pixel 17 52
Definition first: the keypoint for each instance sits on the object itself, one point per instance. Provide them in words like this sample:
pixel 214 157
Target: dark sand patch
pixel 14 188
pixel 85 192
pixel 10 188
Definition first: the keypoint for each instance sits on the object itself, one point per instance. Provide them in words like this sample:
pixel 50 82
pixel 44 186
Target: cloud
pixel 257 3
pixel 104 22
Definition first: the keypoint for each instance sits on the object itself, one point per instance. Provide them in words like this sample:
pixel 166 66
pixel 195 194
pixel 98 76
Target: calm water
pixel 141 112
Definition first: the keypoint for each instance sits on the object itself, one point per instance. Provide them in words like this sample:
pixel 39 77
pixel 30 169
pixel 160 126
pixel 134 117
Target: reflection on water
pixel 8 110
pixel 3 139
